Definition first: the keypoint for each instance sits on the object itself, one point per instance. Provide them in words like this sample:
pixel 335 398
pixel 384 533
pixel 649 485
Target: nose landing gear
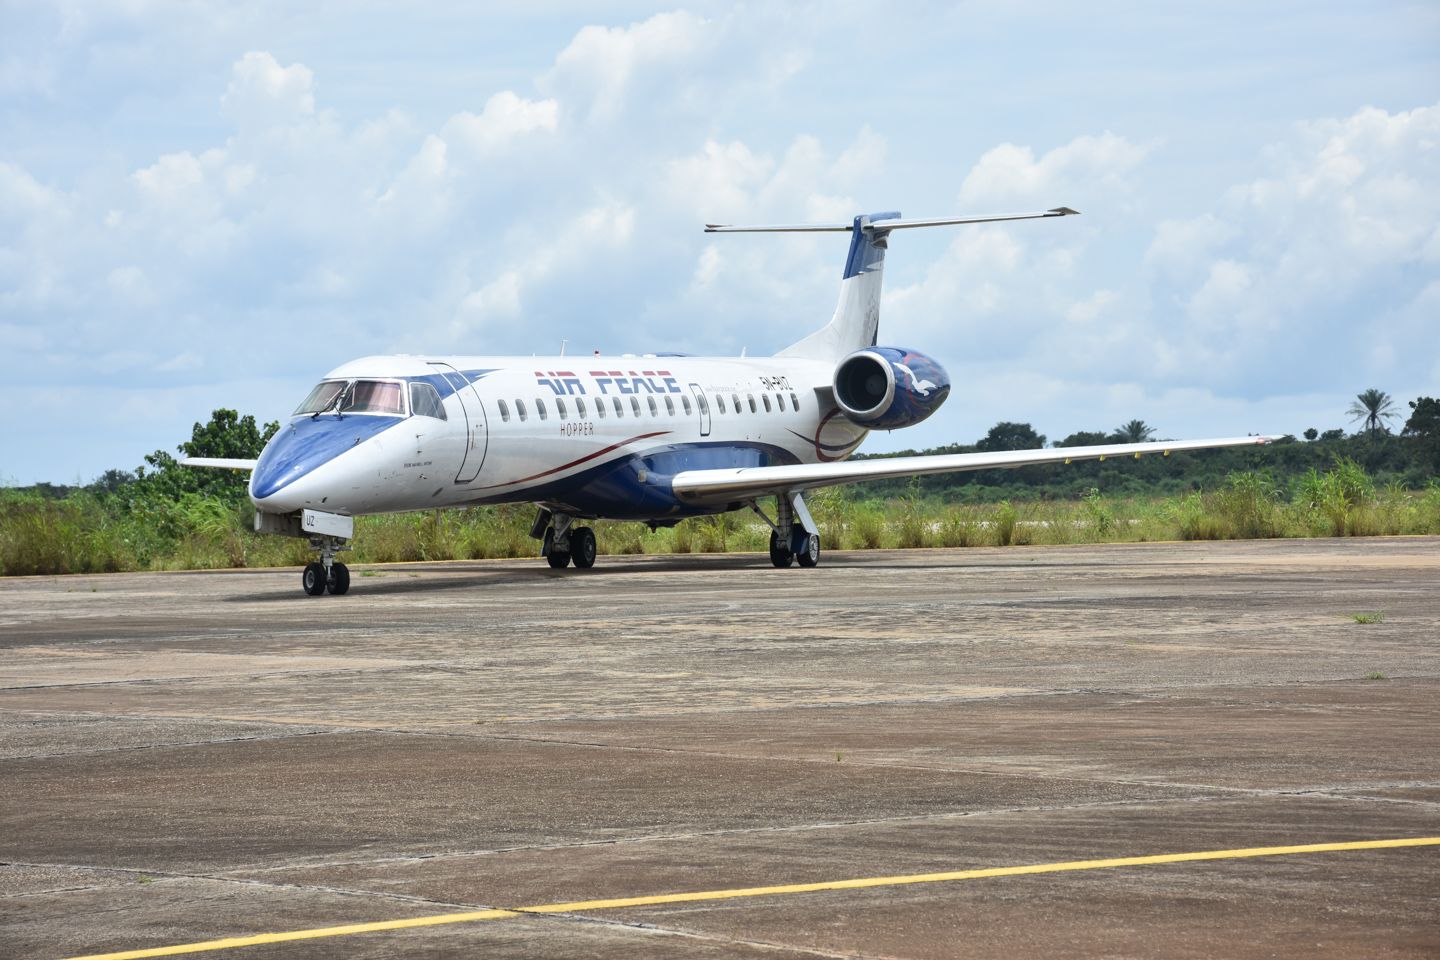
pixel 325 573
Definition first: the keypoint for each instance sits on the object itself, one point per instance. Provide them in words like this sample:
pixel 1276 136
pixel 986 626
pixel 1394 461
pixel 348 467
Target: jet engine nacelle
pixel 888 387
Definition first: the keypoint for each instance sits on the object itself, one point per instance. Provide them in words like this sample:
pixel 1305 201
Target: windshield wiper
pixel 339 399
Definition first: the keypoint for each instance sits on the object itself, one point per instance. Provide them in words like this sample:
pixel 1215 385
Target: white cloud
pixel 498 299
pixel 571 248
pixel 506 117
pixel 173 175
pixel 978 277
pixel 22 196
pixel 1223 292
pixel 262 92
pixel 1087 166
pixel 1182 246
pixel 1087 311
pixel 732 182
pixel 131 283
pixel 1312 259
pixel 602 64
pixel 719 181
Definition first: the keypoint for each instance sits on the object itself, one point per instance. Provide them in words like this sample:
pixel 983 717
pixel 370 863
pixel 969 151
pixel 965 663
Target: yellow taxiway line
pixel 583 906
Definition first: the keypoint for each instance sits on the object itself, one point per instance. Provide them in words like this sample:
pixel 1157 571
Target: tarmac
pixel 708 757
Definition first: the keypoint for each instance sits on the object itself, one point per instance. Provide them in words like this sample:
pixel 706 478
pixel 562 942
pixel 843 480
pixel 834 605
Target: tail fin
pixel 856 322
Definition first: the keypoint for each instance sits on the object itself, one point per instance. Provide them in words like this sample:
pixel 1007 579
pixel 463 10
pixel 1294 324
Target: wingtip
pixel 1063 212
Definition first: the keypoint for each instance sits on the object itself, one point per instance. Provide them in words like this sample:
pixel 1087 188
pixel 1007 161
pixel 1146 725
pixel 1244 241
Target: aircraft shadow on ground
pixel 448 577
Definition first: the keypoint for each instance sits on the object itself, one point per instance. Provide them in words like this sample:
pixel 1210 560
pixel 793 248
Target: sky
pixel 210 205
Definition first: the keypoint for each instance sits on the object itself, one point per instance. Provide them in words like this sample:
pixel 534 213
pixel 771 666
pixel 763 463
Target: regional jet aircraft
pixel 654 438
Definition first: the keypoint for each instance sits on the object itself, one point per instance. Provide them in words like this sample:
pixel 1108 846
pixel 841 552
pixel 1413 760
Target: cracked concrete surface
pixel 199 755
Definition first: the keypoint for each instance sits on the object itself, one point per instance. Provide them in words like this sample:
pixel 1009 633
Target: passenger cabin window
pixel 322 398
pixel 520 410
pixel 753 408
pixel 504 410
pixel 735 401
pixel 560 410
pixel 619 408
pixel 669 405
pixel 600 409
pixel 635 405
pixel 794 403
pixel 654 410
pixel 765 399
pixel 704 404
pixel 425 401
pixel 540 410
pixel 720 402
pixel 580 406
pixel 685 402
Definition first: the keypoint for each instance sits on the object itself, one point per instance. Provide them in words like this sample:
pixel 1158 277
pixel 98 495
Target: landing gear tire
pixel 809 554
pixel 780 554
pixel 339 581
pixel 558 559
pixel 313 578
pixel 582 547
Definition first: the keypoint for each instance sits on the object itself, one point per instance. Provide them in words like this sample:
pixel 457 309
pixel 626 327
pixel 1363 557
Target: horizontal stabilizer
pixel 219 463
pixel 746 483
pixel 885 226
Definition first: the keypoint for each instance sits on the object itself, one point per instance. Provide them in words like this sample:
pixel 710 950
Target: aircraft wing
pixel 221 463
pixel 728 486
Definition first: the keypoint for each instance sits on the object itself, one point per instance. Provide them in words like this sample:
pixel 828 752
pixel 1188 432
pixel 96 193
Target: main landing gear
pixel 326 574
pixel 793 535
pixel 563 543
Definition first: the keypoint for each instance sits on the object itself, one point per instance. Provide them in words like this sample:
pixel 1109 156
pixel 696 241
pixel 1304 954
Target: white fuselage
pixel 594 436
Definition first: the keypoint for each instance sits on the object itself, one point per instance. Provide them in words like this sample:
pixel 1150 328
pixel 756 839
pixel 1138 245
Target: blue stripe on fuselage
pixel 447 383
pixel 616 490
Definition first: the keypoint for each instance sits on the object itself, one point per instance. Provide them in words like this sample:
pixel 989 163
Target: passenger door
pixel 477 436
pixel 702 407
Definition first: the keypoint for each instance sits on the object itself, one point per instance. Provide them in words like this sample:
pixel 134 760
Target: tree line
pixel 1410 458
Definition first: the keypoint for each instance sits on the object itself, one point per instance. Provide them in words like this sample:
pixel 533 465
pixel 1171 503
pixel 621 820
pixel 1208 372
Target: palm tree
pixel 1136 431
pixel 1374 407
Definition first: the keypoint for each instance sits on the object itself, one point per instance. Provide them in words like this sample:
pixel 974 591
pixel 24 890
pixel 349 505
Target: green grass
pixel 1376 675
pixel 1376 616
pixel 91 533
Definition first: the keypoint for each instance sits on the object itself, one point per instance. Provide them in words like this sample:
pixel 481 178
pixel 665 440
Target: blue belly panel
pixel 638 487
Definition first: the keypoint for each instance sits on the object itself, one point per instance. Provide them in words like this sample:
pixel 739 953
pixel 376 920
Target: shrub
pixel 1003 523
pixel 1248 506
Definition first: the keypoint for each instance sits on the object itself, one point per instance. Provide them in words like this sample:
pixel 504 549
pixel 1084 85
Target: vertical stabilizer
pixel 856 322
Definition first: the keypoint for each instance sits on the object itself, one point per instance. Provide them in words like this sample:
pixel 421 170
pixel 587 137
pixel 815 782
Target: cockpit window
pixel 322 398
pixel 425 401
pixel 360 396
pixel 374 396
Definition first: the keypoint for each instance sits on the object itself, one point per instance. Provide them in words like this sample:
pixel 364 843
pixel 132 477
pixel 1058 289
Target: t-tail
pixel 856 322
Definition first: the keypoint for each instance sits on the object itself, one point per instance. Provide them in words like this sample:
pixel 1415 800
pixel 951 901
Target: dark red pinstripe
pixel 573 463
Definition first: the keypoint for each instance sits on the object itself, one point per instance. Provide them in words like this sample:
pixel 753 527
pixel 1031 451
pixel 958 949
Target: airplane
pixel 653 438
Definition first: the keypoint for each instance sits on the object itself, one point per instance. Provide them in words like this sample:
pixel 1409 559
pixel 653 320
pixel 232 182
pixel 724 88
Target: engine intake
pixel 885 388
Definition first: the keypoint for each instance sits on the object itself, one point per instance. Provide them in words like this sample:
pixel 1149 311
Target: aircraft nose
pixel 299 449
